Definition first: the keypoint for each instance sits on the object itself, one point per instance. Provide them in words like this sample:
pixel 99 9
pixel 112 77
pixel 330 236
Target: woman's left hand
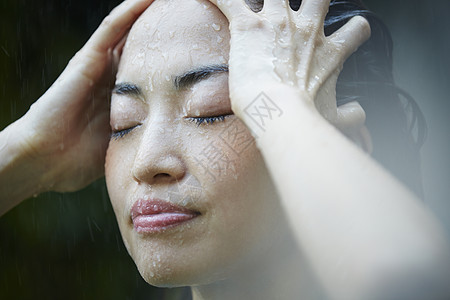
pixel 282 48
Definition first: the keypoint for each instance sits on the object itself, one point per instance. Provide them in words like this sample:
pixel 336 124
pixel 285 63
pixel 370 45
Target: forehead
pixel 171 37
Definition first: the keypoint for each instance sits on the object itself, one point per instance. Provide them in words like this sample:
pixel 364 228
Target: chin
pixel 163 267
pixel 175 276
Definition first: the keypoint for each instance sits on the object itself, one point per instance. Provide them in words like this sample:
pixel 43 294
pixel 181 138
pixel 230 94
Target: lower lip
pixel 159 222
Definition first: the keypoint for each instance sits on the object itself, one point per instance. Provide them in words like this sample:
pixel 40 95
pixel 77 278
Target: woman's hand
pixel 279 47
pixel 340 203
pixel 62 139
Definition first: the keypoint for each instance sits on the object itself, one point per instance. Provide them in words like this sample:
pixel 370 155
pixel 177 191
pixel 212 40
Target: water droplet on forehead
pixel 216 27
pixel 150 85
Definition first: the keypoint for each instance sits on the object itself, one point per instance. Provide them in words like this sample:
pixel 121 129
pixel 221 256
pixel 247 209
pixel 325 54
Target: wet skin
pixel 162 142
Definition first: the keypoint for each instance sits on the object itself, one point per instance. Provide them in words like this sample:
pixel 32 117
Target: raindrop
pixel 216 27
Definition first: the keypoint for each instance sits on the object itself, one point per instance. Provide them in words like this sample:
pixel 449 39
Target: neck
pixel 280 274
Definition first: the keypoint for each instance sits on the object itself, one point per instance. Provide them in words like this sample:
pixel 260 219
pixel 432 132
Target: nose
pixel 158 160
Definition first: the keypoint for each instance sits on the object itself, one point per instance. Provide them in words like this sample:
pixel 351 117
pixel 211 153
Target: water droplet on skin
pixel 147 26
pixel 189 104
pixel 195 47
pixel 219 39
pixel 171 34
pixel 316 77
pixel 167 78
pixel 216 27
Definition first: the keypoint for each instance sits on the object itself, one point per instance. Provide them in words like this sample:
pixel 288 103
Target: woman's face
pixel 189 188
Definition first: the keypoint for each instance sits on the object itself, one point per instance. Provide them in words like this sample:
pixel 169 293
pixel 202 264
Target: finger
pixel 116 24
pixel 276 7
pixel 314 10
pixel 351 36
pixel 232 8
pixel 117 53
pixel 350 115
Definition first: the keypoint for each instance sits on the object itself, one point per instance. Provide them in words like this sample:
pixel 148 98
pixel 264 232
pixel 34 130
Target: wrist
pixel 21 172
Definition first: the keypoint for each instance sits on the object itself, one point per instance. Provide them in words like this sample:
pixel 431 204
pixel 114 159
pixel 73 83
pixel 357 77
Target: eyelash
pixel 121 133
pixel 207 120
pixel 198 120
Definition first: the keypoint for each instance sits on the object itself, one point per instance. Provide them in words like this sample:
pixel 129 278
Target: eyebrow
pixel 179 82
pixel 196 75
pixel 127 88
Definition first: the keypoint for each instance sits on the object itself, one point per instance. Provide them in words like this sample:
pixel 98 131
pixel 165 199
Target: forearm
pixel 20 174
pixel 352 218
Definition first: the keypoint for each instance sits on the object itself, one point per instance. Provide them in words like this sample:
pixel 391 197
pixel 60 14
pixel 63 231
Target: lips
pixel 154 215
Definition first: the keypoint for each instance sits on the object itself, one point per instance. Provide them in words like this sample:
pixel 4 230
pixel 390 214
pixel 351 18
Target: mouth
pixel 154 215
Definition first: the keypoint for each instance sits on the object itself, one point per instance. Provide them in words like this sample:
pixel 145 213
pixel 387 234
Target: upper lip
pixel 144 207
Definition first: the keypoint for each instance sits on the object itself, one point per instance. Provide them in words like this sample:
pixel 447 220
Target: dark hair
pixel 396 124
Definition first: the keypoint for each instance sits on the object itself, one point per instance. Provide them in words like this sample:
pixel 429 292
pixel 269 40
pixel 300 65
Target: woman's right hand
pixel 64 136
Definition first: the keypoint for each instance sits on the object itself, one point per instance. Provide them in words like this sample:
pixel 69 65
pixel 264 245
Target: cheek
pixel 232 173
pixel 225 155
pixel 117 174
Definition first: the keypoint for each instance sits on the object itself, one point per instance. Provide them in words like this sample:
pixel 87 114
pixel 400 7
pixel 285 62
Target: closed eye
pixel 207 120
pixel 121 133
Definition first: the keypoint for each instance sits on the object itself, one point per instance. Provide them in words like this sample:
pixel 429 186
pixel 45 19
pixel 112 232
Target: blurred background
pixel 68 245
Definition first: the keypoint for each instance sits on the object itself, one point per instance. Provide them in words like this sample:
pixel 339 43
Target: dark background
pixel 68 245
